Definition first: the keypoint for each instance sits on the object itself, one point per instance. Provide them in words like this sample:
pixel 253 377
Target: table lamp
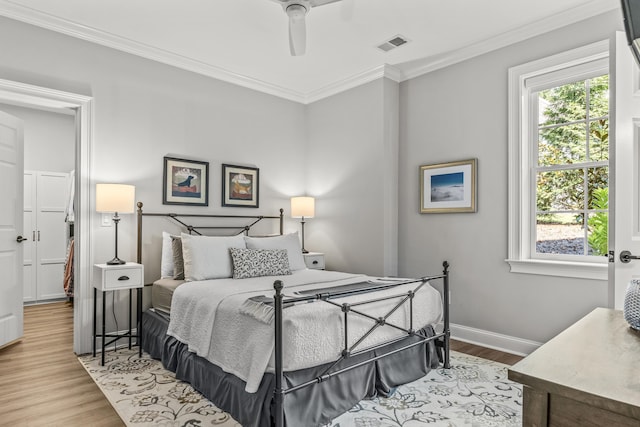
pixel 115 198
pixel 303 207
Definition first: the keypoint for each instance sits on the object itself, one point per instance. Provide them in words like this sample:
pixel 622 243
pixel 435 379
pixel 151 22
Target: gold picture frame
pixel 240 186
pixel 449 187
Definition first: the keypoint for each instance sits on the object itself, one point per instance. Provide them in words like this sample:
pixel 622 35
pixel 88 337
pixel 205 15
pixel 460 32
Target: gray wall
pixel 457 113
pixel 49 139
pixel 351 161
pixel 145 110
pixel 341 149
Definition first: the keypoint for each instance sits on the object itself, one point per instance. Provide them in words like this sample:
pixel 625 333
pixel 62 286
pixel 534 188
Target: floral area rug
pixel 473 392
pixel 143 393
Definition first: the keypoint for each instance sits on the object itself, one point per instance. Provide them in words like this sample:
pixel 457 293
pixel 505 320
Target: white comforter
pixel 313 333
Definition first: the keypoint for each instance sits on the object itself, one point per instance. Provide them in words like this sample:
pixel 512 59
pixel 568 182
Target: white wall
pixel 49 139
pixel 457 113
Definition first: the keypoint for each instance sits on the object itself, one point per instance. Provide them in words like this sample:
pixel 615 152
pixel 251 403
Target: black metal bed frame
pixel 441 339
pixel 254 219
pixel 280 300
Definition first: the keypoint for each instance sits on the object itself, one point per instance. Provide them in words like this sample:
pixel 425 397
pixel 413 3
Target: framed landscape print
pixel 185 182
pixel 240 186
pixel 448 187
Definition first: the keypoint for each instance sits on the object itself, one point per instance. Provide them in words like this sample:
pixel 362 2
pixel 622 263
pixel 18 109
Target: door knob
pixel 20 239
pixel 625 256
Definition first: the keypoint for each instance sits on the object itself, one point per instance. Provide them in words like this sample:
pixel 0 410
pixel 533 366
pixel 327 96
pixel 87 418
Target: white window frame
pixel 523 79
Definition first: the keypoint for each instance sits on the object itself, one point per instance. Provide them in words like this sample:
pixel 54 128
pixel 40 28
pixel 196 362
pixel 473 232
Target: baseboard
pixel 505 343
pixel 46 301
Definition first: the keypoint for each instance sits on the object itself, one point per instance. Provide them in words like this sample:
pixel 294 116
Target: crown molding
pixel 396 72
pixel 419 67
pixel 356 80
pixel 49 22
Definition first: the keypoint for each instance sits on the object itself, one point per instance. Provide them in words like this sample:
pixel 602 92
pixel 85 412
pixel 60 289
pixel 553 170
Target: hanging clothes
pixel 68 269
pixel 70 212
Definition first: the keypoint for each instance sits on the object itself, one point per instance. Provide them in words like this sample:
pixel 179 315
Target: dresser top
pixel 596 361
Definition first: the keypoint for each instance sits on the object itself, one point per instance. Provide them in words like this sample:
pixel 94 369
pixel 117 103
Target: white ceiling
pixel 246 41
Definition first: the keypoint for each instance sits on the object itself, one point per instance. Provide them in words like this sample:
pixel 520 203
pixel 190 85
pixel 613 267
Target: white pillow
pixel 166 262
pixel 208 257
pixel 290 242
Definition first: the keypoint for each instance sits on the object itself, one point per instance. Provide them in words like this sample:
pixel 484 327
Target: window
pixel 559 164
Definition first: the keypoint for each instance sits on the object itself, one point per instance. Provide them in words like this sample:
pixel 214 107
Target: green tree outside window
pixel 572 173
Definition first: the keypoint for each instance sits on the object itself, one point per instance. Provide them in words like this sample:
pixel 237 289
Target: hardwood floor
pixel 485 353
pixel 42 383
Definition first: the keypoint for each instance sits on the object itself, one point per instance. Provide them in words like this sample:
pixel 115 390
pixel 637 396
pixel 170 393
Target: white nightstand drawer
pixel 314 260
pixel 125 276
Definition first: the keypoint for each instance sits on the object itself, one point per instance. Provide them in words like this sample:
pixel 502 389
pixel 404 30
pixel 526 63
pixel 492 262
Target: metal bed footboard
pixel 441 339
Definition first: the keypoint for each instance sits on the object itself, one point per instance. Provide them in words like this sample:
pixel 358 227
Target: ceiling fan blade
pixel 315 3
pixel 297 34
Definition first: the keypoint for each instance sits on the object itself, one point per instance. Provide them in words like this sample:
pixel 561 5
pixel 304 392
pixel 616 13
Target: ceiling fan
pixel 297 11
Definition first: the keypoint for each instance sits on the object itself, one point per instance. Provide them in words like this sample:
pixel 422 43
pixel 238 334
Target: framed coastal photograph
pixel 240 186
pixel 185 182
pixel 448 187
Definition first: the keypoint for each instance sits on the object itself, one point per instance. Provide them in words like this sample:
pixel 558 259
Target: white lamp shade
pixel 115 198
pixel 303 207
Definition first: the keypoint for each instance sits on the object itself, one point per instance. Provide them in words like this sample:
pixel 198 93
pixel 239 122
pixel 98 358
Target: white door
pixel 45 202
pixel 625 218
pixel 51 234
pixel 29 232
pixel 11 194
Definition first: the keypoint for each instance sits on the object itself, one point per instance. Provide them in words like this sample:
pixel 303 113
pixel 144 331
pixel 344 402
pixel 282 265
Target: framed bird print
pixel 240 185
pixel 185 182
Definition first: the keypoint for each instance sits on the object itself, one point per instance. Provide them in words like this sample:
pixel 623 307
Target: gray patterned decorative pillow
pixel 259 262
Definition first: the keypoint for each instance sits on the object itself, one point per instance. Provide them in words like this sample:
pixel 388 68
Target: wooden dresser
pixel 588 375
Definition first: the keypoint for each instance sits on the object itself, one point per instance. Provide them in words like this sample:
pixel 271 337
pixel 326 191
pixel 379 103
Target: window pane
pixel 560 190
pixel 562 104
pixel 599 96
pixel 599 140
pixel 598 179
pixel 562 145
pixel 559 234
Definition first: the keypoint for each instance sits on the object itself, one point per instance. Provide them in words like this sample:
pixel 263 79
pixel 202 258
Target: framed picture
pixel 448 187
pixel 185 182
pixel 240 186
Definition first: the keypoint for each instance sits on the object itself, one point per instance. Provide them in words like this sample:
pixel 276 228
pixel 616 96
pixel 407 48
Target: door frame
pixel 37 97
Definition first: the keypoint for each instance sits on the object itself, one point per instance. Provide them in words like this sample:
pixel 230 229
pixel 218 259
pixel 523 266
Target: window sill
pixel 578 270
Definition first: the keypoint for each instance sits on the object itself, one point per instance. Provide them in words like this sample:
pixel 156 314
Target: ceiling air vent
pixel 393 43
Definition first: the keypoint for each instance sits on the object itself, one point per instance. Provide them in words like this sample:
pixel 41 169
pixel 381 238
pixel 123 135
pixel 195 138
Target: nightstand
pixel 114 278
pixel 314 260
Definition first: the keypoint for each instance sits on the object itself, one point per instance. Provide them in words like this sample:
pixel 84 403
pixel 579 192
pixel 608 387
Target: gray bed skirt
pixel 312 406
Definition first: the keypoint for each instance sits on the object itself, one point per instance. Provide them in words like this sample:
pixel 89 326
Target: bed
pixel 276 344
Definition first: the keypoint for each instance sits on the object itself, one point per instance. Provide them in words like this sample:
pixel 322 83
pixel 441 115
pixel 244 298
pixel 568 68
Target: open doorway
pixel 48 226
pixel 80 108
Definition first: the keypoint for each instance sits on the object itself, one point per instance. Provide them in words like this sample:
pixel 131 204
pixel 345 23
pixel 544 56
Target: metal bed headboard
pixel 182 218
